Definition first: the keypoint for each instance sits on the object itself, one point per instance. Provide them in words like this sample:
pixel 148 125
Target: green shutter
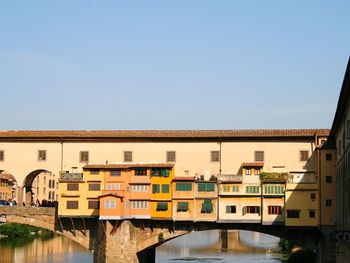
pixel 165 188
pixel 244 210
pixel 162 206
pixel 210 187
pixel 207 206
pixel 228 209
pixel 202 187
pixel 155 188
pixel 167 173
pixel 182 206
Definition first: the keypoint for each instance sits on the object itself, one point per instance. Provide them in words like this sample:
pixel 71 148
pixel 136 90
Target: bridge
pixel 135 240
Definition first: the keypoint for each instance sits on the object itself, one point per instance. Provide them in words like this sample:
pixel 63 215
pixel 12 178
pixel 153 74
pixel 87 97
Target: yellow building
pixel 302 200
pixel 7 184
pixel 161 198
pixel 78 193
pixel 45 187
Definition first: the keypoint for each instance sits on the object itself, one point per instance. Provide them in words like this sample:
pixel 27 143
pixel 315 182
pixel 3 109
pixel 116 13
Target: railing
pixel 71 176
pixel 300 178
pixel 230 177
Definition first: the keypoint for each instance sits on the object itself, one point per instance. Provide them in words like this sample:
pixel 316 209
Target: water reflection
pixel 207 246
pixel 55 250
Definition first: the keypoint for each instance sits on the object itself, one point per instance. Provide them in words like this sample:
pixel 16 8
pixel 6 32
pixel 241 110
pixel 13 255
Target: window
pixel 259 156
pixel 230 209
pixel 2 155
pixel 251 210
pixel 312 214
pixel 94 171
pixel 313 196
pixel 206 187
pixel 328 202
pixel 93 204
pixel 207 206
pixel 94 187
pixel 53 184
pixel 140 204
pixel 329 157
pixel 72 187
pixel 304 156
pixel 49 183
pixel 182 207
pixel 274 210
pixel 160 172
pixel 252 189
pixel 226 188
pixel 248 172
pixel 117 186
pixel 140 172
pixel 256 171
pixel 293 213
pixel 165 188
pixel 183 186
pixel 274 189
pixel 109 186
pixel 127 156
pixel 171 156
pixel 155 188
pixel 84 157
pixel 162 206
pixel 72 205
pixel 328 179
pixel 41 155
pixel 114 173
pixel 140 188
pixel 109 204
pixel 215 156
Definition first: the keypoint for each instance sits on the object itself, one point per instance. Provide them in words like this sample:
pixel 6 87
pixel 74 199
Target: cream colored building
pixel 45 187
pixel 199 154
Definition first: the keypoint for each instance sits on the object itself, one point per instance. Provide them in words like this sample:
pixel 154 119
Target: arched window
pixel 44 179
pixel 53 195
pixel 44 191
pixel 53 184
pixel 49 183
pixel 49 195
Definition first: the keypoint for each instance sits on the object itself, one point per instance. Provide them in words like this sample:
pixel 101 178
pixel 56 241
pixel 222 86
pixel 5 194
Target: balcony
pixel 234 178
pixel 71 176
pixel 302 178
pixel 275 177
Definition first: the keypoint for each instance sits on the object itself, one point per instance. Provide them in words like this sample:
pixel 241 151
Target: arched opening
pixel 217 245
pixel 8 186
pixel 38 187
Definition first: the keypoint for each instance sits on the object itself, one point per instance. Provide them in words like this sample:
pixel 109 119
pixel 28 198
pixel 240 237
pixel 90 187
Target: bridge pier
pixel 117 243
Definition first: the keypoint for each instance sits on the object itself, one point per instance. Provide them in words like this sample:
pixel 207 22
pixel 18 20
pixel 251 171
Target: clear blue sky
pixel 171 64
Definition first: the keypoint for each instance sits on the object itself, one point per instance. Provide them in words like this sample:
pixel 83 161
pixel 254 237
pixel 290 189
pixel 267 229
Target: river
pixel 206 246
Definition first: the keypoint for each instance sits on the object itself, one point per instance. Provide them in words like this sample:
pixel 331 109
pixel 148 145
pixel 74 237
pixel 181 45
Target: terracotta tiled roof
pixel 253 164
pixel 132 134
pixel 8 177
pixel 128 166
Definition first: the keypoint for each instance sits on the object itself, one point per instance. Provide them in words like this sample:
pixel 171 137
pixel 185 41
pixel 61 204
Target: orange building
pixel 127 190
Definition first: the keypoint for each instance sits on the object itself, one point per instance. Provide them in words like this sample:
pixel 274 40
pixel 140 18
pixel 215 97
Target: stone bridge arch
pixel 46 217
pixel 25 191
